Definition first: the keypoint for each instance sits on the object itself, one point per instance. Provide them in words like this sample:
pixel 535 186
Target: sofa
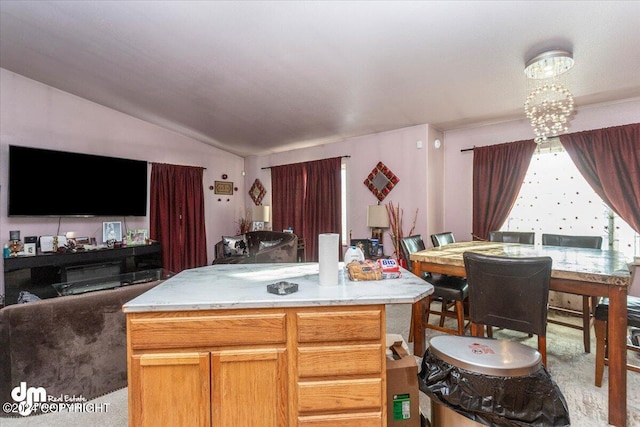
pixel 255 247
pixel 70 345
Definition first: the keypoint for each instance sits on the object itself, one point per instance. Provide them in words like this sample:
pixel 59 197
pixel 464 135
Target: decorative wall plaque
pixel 381 181
pixel 223 187
pixel 257 192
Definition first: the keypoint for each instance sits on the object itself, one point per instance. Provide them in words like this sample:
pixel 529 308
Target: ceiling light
pixel 549 103
pixel 548 64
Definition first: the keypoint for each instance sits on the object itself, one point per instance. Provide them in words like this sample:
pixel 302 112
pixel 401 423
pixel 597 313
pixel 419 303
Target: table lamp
pixel 377 219
pixel 259 216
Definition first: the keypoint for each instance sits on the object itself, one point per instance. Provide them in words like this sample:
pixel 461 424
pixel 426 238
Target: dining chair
pixel 509 293
pixel 633 321
pixel 441 239
pixel 524 237
pixel 588 303
pixel 451 292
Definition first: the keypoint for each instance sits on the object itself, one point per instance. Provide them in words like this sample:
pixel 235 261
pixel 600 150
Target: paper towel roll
pixel 328 259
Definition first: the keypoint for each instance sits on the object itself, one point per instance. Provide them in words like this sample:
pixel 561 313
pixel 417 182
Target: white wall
pixel 398 151
pixel 36 115
pixel 458 177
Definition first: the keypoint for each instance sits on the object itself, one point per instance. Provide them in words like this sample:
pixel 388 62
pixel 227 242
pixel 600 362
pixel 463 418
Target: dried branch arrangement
pixel 395 226
pixel 244 223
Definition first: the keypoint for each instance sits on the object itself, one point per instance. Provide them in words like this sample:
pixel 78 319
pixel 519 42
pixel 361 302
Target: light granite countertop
pixel 228 286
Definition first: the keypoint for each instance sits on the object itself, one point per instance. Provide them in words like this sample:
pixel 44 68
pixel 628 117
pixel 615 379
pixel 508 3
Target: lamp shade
pixel 377 216
pixel 260 214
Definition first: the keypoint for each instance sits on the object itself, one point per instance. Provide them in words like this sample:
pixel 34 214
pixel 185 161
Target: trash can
pixel 474 381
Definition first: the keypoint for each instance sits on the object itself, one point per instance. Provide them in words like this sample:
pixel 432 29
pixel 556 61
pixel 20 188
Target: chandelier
pixel 549 103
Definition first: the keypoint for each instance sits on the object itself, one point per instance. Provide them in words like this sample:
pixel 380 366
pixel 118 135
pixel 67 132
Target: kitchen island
pixel 211 347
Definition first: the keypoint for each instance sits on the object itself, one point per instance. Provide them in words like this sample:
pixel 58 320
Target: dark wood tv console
pixel 36 273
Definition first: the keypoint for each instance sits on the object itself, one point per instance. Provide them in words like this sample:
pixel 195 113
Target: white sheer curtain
pixel 556 199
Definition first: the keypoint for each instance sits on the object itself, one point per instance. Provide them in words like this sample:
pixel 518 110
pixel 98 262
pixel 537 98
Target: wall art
pixel 257 192
pixel 223 187
pixel 381 181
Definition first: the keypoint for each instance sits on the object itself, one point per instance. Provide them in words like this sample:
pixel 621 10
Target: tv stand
pixel 36 273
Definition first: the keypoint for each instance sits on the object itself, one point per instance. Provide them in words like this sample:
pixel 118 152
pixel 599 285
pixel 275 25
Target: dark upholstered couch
pixel 71 345
pixel 261 247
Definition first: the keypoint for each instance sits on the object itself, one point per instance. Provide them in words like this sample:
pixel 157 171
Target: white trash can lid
pixel 486 355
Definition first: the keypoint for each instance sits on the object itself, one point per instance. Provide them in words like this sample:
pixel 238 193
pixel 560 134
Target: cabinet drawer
pixel 339 360
pixel 205 331
pixel 369 419
pixel 339 326
pixel 314 396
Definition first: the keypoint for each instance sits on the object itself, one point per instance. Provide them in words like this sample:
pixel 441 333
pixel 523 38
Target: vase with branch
pixel 395 227
pixel 244 223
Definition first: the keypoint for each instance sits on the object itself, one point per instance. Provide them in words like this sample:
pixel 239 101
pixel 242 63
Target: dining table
pixel 579 271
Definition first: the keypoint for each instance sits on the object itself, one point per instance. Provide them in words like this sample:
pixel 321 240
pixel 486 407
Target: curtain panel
pixel 307 197
pixel 609 160
pixel 498 173
pixel 177 215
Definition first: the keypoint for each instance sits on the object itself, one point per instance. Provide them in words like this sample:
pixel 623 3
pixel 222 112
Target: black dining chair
pixel 509 293
pixel 588 303
pixel 451 292
pixel 633 321
pixel 441 239
pixel 523 237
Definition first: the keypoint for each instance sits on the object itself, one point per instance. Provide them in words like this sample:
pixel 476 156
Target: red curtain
pixel 307 197
pixel 498 173
pixel 288 191
pixel 609 160
pixel 177 215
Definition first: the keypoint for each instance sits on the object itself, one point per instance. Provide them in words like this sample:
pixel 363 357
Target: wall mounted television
pixel 64 184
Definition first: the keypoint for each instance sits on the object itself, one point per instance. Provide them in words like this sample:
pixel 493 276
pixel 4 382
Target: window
pixel 555 199
pixel 343 202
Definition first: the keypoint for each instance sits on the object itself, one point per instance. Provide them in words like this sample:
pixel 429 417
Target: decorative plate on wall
pixel 381 181
pixel 257 192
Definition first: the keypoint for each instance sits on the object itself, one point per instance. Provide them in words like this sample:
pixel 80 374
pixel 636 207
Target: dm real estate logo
pixel 27 400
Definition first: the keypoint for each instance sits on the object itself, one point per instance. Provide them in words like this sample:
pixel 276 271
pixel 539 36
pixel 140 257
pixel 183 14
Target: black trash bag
pixel 531 400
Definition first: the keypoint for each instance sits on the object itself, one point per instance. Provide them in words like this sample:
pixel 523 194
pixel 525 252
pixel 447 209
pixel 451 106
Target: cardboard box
pixel 403 404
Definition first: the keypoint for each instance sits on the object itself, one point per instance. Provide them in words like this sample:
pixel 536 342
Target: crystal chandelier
pixel 549 103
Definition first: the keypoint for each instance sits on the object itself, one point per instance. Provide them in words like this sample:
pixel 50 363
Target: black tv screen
pixel 58 183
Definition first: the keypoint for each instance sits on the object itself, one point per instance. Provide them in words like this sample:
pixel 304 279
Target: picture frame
pixel 112 231
pixel 137 237
pixel 223 187
pixel 364 245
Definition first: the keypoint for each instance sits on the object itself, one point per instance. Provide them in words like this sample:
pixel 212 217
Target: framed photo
pixel 112 231
pixel 223 187
pixel 364 245
pixel 137 237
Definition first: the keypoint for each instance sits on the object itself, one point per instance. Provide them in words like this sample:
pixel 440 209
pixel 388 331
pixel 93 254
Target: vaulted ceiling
pixel 254 77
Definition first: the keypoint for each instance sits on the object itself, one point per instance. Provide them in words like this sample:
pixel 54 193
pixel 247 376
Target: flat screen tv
pixel 59 183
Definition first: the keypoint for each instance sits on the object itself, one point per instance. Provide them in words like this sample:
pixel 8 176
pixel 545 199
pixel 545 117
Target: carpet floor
pixel 569 366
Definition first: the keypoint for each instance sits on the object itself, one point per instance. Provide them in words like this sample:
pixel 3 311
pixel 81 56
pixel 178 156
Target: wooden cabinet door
pixel 244 380
pixel 170 389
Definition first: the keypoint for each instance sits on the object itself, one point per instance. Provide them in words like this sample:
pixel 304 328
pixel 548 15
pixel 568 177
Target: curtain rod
pixel 151 163
pixel 466 149
pixel 269 167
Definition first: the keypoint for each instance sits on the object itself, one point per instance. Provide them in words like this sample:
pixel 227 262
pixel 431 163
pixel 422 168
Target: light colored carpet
pixel 569 366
